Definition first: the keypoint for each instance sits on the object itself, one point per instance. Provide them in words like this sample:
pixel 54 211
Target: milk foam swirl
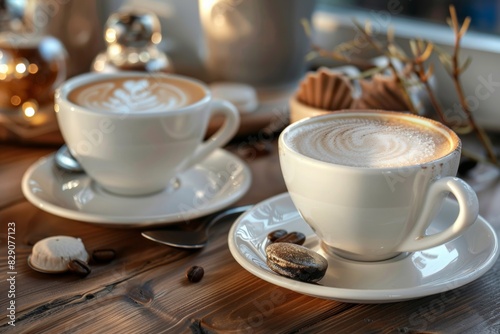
pixel 132 96
pixel 368 142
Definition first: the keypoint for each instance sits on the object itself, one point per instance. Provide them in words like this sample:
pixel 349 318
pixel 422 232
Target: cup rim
pixel 453 137
pixel 62 92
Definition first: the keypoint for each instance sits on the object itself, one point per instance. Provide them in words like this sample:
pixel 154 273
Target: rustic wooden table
pixel 144 290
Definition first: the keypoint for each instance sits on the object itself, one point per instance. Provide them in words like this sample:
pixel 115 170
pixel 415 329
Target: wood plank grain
pixel 14 161
pixel 144 290
pixel 148 292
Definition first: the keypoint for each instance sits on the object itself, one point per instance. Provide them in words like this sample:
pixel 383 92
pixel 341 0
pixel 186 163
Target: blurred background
pixel 192 43
pixel 484 13
pixel 79 21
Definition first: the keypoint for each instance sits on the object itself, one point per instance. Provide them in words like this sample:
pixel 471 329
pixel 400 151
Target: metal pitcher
pixel 259 42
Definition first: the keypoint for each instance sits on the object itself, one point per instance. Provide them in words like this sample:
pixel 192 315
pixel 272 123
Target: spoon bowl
pixel 183 236
pixel 66 161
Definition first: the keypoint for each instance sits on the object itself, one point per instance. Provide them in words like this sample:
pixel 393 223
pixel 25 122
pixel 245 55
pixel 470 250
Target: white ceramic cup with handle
pixel 369 183
pixel 133 132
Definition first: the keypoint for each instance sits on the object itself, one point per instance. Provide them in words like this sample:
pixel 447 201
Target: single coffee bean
pixel 296 262
pixel 79 267
pixel 272 236
pixel 195 274
pixel 297 238
pixel 103 255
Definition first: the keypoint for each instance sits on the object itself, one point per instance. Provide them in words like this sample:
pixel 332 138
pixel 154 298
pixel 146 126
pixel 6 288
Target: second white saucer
pixel 407 276
pixel 214 184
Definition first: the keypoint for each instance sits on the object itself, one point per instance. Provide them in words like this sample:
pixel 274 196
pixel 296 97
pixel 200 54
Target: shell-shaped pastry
pixel 381 92
pixel 326 90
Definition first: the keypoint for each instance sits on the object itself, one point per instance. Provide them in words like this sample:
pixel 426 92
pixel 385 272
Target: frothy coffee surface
pixel 136 95
pixel 372 142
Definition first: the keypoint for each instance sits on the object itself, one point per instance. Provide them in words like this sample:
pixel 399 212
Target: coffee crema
pixel 370 141
pixel 136 94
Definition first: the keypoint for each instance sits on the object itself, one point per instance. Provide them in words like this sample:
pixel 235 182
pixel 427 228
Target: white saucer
pixel 407 276
pixel 214 184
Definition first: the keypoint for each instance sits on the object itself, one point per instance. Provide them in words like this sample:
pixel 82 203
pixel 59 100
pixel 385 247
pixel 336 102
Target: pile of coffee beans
pixel 286 256
pixel 82 268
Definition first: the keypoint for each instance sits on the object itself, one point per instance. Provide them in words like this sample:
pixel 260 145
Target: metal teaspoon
pixel 177 236
pixel 65 160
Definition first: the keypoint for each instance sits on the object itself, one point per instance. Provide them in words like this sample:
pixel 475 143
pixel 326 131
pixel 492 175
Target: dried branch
pixel 390 63
pixel 419 70
pixel 339 56
pixel 456 70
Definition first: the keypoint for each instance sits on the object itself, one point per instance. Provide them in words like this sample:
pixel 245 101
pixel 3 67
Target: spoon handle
pixel 229 212
pixel 177 236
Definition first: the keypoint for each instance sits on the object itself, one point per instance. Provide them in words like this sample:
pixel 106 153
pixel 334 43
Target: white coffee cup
pixel 360 208
pixel 134 132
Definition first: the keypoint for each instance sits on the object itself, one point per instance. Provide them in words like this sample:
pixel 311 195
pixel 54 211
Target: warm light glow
pixel 99 66
pixel 4 68
pixel 110 35
pixel 156 38
pixel 219 27
pixel 32 68
pixel 29 112
pixel 206 6
pixel 212 12
pixel 133 58
pixel 29 109
pixel 15 100
pixel 114 49
pixel 20 68
pixel 56 107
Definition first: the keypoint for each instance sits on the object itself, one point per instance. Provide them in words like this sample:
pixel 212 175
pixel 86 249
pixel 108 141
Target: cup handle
pixel 467 215
pixel 222 136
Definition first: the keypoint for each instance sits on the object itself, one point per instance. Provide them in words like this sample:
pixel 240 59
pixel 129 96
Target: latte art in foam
pixel 370 142
pixel 133 95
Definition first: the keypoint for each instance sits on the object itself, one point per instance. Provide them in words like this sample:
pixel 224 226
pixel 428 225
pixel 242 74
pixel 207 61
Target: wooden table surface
pixel 144 290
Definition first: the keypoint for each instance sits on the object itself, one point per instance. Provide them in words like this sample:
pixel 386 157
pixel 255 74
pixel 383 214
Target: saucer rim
pixel 365 296
pixel 136 221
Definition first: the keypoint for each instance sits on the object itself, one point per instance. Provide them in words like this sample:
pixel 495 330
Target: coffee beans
pixel 103 255
pixel 195 274
pixel 79 267
pixel 296 262
pixel 297 238
pixel 283 236
pixel 82 269
pixel 287 257
pixel 276 235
